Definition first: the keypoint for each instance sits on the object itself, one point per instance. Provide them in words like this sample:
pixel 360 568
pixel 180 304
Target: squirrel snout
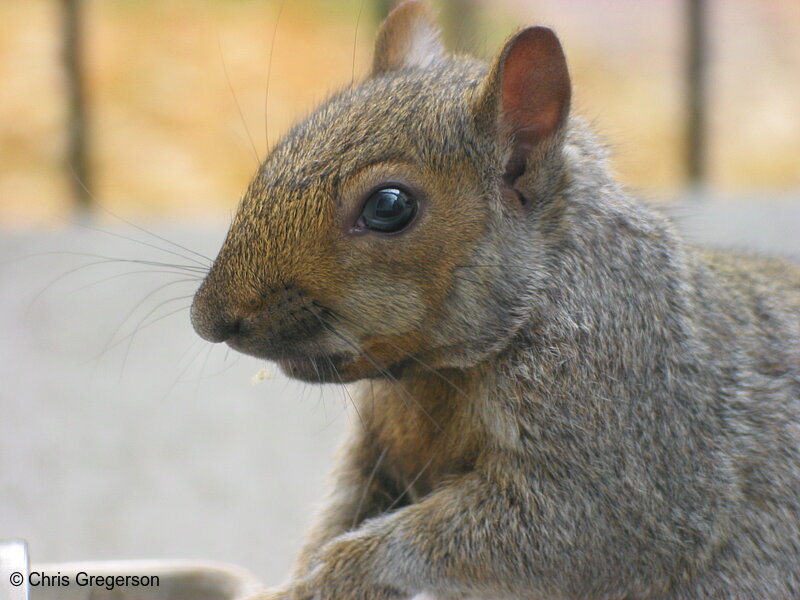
pixel 219 327
pixel 212 320
pixel 221 331
pixel 272 325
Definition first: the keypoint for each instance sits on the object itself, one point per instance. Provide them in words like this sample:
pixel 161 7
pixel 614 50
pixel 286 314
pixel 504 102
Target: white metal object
pixel 13 570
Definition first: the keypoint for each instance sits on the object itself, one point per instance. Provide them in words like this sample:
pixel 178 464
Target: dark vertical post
pixel 77 121
pixel 696 80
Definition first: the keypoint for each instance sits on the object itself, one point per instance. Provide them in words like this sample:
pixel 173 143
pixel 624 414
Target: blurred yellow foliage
pixel 177 92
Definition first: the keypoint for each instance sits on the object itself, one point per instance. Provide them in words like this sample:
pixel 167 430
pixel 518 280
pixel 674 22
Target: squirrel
pixel 560 397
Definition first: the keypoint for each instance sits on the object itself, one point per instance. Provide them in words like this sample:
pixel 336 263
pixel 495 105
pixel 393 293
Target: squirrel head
pixel 391 231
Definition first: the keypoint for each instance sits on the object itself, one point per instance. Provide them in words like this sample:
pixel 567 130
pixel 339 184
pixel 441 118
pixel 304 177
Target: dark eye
pixel 388 210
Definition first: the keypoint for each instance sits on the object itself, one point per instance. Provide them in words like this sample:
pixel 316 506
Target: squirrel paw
pixel 271 594
pixel 345 569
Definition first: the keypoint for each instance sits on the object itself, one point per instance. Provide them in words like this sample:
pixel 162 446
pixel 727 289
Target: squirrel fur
pixel 561 398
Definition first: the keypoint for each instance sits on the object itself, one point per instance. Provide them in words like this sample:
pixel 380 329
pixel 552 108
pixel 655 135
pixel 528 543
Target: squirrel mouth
pixel 317 369
pixel 339 368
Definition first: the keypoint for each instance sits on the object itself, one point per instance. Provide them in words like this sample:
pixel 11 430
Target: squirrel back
pixel 564 398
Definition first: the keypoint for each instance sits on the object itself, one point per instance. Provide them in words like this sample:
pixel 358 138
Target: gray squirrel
pixel 561 398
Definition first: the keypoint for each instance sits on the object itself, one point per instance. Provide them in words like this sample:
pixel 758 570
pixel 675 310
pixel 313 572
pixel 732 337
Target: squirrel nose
pixel 224 330
pixel 211 321
pixel 216 329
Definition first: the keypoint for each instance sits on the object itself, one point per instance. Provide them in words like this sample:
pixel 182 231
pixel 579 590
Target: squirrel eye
pixel 388 210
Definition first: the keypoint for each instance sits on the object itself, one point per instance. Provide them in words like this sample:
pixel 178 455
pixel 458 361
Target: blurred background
pixel 128 130
pixel 172 101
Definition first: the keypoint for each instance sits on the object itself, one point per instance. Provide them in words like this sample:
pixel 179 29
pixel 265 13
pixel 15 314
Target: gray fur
pixel 602 411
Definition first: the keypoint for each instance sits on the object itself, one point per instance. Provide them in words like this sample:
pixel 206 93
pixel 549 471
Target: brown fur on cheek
pixel 387 306
pixel 386 317
pixel 400 282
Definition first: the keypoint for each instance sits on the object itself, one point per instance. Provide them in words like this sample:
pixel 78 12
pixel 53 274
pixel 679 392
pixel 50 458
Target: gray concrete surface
pixel 158 445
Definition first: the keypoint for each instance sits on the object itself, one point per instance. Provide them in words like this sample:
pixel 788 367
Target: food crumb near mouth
pixel 260 376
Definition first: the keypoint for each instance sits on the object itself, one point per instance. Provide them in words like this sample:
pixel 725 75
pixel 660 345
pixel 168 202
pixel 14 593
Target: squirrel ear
pixel 527 94
pixel 408 38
